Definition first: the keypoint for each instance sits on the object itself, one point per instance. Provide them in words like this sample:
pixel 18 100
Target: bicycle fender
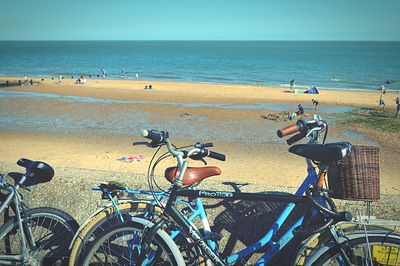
pixel 108 208
pixel 164 235
pixel 331 244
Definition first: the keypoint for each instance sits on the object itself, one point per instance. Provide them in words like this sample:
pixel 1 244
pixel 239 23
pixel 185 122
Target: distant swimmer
pixel 388 81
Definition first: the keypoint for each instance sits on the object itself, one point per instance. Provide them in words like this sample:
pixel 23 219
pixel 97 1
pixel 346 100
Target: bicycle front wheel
pixel 51 231
pixel 375 249
pixel 101 221
pixel 121 244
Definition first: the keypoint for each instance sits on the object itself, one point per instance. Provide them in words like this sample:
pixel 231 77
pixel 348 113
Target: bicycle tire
pixel 378 248
pixel 116 246
pixel 309 246
pixel 52 230
pixel 101 221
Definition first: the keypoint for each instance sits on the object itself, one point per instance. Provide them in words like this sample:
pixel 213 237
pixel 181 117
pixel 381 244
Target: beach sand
pixel 197 92
pixel 252 157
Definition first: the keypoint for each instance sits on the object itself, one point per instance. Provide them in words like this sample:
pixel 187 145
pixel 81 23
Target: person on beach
pixel 103 72
pixel 383 89
pixel 314 104
pixel 300 110
pixel 382 100
pixel 122 73
pixel 59 79
pixel 292 84
pixel 398 106
pixel 137 76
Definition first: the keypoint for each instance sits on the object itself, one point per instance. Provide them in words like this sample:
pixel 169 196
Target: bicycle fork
pixel 347 256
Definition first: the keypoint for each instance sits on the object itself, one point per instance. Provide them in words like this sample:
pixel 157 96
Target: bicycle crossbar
pixel 268 196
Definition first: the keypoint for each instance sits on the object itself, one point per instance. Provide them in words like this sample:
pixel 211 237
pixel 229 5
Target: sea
pixel 342 65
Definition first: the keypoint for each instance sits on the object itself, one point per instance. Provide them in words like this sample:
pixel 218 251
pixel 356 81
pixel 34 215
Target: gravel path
pixel 70 190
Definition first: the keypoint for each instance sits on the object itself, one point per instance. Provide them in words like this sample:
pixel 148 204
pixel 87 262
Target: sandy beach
pixel 255 154
pixel 197 92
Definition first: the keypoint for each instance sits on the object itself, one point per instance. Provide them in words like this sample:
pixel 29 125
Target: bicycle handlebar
pixel 216 155
pixel 154 135
pixel 289 130
pixel 303 128
pixel 295 138
pixel 206 153
pixel 162 137
pixel 300 126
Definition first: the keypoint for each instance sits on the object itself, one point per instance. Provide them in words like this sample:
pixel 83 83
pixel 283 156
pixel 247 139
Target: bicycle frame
pixel 25 239
pixel 196 210
pixel 311 179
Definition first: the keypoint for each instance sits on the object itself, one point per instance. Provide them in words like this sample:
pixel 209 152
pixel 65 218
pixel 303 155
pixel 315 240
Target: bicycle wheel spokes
pixel 50 237
pixel 381 252
pixel 47 231
pixel 123 246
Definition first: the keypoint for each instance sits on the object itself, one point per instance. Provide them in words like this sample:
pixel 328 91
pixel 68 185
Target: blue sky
pixel 200 20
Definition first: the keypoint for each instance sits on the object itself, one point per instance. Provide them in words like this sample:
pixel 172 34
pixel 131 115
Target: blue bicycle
pixel 148 241
pixel 124 203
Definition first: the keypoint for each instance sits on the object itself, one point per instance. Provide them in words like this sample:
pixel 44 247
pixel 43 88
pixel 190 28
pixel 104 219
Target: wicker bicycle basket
pixel 356 177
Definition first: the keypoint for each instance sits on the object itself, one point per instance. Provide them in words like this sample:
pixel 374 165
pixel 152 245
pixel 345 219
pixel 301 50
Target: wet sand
pixel 93 135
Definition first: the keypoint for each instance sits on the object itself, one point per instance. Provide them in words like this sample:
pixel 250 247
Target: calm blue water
pixel 356 65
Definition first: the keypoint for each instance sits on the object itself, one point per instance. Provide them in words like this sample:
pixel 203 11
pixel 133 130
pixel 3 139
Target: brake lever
pixel 137 143
pixel 198 157
pixel 201 145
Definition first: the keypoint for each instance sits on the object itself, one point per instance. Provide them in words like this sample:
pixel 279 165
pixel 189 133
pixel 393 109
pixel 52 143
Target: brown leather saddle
pixel 192 175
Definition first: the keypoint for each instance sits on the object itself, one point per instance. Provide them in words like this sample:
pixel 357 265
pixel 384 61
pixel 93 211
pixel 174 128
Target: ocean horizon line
pixel 331 41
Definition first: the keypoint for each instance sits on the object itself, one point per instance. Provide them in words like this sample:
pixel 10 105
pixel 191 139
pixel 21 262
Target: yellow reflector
pixel 386 255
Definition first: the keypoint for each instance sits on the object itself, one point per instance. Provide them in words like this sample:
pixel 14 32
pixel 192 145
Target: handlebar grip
pixel 295 138
pixel 208 145
pixel 344 216
pixel 217 156
pixel 289 130
pixel 137 143
pixel 154 135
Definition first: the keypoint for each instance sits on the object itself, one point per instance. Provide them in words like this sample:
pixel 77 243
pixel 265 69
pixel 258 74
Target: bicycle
pixel 37 236
pixel 124 203
pixel 146 245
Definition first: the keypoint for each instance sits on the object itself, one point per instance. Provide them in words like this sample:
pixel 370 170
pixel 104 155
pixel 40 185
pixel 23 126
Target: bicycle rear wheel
pixel 376 249
pixel 121 245
pixel 51 230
